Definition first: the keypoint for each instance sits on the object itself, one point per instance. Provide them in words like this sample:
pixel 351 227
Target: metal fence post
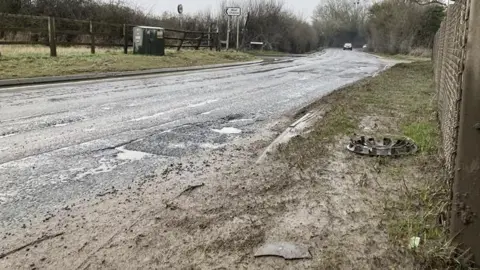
pixel 125 39
pixel 92 39
pixel 181 41
pixel 52 37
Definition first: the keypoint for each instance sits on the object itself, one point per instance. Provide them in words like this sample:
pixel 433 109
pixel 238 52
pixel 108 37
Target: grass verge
pixel 404 57
pixel 33 61
pixel 412 196
pixel 266 53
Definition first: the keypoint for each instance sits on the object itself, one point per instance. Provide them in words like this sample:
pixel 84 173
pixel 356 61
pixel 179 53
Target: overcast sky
pixel 300 7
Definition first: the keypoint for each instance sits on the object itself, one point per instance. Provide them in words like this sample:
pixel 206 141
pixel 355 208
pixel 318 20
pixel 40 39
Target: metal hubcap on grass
pixel 383 147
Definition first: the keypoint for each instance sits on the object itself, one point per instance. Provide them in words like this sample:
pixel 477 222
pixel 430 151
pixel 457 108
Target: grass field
pixel 34 61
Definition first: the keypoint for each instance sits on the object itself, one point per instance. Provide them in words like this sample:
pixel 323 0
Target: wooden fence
pixel 52 31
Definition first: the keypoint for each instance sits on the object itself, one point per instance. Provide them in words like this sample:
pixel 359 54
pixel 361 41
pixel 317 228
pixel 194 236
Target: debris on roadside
pixel 190 188
pixel 113 191
pixel 384 147
pixel 414 242
pixel 288 251
pixel 39 240
pixel 171 206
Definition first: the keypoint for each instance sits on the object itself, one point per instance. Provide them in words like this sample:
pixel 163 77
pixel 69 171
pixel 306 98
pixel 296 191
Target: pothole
pixel 232 117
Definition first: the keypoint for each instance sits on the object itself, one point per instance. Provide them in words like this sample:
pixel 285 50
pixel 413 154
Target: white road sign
pixel 234 11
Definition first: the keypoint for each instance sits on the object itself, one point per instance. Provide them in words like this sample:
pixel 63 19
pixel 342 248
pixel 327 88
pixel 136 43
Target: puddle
pixel 131 155
pixel 228 130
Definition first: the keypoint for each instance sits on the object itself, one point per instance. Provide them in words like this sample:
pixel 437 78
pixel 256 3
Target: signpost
pixel 233 12
pixel 180 12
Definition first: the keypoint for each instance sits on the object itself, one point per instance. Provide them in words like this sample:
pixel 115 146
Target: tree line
pixel 266 21
pixel 390 26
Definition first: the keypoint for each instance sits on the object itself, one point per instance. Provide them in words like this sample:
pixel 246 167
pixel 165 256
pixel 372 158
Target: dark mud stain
pixel 56 99
pixel 266 70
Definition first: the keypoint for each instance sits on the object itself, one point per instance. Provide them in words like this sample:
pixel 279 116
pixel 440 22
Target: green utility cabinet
pixel 148 40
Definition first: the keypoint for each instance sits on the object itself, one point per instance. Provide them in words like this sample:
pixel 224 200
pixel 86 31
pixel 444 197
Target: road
pixel 70 141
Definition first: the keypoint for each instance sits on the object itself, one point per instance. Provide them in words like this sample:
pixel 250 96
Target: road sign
pixel 180 9
pixel 233 11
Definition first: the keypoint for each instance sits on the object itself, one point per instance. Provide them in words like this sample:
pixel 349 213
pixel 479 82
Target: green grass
pixel 403 57
pixel 33 61
pixel 266 53
pixel 425 134
pixel 404 97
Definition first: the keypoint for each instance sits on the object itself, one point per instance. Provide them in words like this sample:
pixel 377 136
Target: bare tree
pixel 340 21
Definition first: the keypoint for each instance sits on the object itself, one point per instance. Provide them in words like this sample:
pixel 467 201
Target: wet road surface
pixel 70 141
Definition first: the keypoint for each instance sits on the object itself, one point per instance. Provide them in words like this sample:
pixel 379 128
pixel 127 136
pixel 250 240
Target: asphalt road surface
pixel 70 141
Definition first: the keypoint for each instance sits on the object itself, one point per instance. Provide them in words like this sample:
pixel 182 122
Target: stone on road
pixel 70 141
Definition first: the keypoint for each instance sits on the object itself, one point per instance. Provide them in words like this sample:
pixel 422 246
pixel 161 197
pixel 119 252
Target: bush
pixel 398 26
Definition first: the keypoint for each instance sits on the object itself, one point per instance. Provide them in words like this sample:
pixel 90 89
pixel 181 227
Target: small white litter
pixel 288 251
pixel 414 242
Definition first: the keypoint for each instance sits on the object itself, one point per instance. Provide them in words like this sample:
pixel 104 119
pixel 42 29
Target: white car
pixel 347 46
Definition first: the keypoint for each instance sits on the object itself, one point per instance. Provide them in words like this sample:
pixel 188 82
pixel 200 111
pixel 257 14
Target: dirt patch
pixel 352 212
pixel 378 204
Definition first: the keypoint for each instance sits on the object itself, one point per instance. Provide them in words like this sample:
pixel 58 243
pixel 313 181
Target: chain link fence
pixel 456 62
pixel 448 57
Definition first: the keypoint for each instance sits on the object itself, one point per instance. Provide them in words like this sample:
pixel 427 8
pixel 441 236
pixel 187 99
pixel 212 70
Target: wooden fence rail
pixel 50 29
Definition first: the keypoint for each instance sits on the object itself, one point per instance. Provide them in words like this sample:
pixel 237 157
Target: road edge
pixel 307 116
pixel 106 75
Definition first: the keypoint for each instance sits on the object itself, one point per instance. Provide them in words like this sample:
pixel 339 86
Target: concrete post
pixel 465 218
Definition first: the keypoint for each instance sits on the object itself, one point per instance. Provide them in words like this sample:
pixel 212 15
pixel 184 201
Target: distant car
pixel 347 46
